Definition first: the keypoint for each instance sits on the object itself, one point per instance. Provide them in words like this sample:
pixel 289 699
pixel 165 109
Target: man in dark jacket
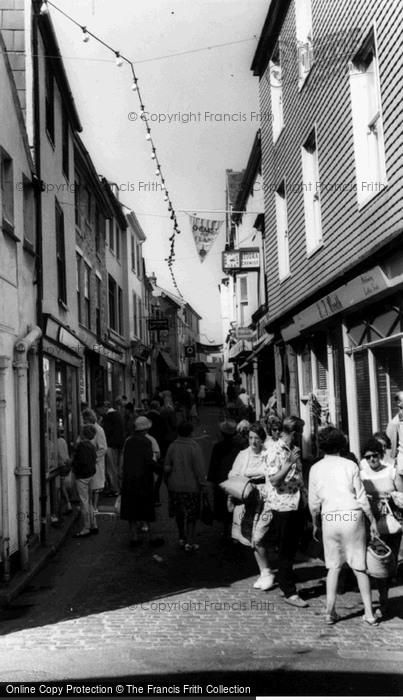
pixel 113 425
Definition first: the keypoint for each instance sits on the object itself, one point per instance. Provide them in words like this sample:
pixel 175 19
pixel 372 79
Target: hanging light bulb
pixel 118 59
pixel 166 197
pixel 44 8
pixel 172 216
pixel 158 172
pixel 134 86
pixel 148 137
pixel 86 37
pixel 153 154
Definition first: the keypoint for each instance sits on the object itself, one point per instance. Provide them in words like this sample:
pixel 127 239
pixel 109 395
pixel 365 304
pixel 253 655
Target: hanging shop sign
pixel 157 324
pixel 241 259
pixel 244 333
pixel 190 350
pixel 204 233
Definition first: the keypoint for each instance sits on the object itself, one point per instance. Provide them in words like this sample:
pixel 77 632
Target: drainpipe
pixel 5 529
pixel 23 470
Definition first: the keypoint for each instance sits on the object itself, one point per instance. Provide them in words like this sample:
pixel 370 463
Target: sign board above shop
pixel 359 289
pixel 244 333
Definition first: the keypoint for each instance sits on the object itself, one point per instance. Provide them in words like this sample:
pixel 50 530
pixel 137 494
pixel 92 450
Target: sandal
pixel 191 547
pixel 182 543
pixel 332 618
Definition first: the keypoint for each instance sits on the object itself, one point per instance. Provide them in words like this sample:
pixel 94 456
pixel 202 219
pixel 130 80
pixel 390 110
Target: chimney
pixel 152 279
pixel 12 26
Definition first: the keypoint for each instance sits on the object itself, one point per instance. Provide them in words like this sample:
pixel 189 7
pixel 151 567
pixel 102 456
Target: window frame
pixel 60 254
pixel 282 239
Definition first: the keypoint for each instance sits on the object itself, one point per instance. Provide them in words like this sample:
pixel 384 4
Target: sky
pixel 203 79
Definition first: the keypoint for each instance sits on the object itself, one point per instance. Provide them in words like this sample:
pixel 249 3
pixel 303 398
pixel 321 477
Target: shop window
pixel 310 173
pixel 303 21
pixel 282 233
pixel 7 192
pixel 363 396
pixel 276 92
pixel 369 148
pixel 389 379
pixel 60 254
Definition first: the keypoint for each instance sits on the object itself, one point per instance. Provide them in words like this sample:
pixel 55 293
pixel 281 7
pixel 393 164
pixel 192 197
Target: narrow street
pixel 100 610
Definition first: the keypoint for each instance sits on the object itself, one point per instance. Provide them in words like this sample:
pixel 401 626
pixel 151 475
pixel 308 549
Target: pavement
pixel 102 611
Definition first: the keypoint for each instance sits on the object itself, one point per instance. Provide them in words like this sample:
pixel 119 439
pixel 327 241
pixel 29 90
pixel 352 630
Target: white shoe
pixel 257 582
pixel 266 582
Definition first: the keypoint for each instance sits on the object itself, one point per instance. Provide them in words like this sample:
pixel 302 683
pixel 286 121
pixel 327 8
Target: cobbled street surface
pixel 100 610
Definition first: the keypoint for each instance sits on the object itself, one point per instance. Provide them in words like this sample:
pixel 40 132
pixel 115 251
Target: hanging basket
pixel 380 559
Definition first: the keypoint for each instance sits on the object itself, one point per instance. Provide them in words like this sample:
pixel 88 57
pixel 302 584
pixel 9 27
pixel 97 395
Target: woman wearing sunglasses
pixel 382 482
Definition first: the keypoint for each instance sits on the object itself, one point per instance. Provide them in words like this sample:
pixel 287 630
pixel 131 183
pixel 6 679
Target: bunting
pixel 204 233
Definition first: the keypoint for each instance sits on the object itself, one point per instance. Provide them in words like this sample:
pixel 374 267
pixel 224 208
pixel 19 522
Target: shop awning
pixel 257 348
pixel 168 360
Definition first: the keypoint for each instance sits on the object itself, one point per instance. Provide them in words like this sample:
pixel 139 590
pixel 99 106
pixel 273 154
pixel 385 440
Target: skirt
pixel 344 539
pixel 185 504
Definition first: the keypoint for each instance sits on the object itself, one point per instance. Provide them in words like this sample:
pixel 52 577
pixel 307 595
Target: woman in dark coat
pixel 137 500
pixel 222 458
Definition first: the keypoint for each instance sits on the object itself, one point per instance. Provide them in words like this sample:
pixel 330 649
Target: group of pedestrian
pixel 239 404
pixel 345 502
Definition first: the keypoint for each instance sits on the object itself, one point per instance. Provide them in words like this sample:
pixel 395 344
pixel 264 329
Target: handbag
pixel 238 487
pixel 387 523
pixel 206 515
pixel 380 559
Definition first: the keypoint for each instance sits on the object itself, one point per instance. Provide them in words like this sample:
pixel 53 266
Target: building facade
pixel 332 168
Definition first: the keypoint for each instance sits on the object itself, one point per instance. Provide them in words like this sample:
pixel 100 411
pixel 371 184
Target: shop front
pixel 346 354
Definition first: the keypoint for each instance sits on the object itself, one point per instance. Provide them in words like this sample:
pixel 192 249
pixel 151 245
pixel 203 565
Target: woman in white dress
pixel 338 501
pixel 383 486
pixel 251 520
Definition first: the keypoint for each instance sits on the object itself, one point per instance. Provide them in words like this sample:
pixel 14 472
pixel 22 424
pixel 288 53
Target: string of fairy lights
pixel 120 59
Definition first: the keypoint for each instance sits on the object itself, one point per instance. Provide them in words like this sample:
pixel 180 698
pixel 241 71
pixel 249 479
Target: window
pixel 117 241
pixel 87 295
pixel 112 299
pixel 303 19
pixel 111 235
pixel 138 256
pixel 78 280
pixel 120 311
pixel 60 255
pixel 276 90
pixel 140 317
pixel 28 212
pixel 65 143
pixel 133 254
pixel 282 233
pixel 243 298
pixel 135 317
pixel 49 100
pixel 99 221
pixel 88 205
pixel 7 192
pixel 310 174
pixel 98 305
pixel 77 199
pixel 369 149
